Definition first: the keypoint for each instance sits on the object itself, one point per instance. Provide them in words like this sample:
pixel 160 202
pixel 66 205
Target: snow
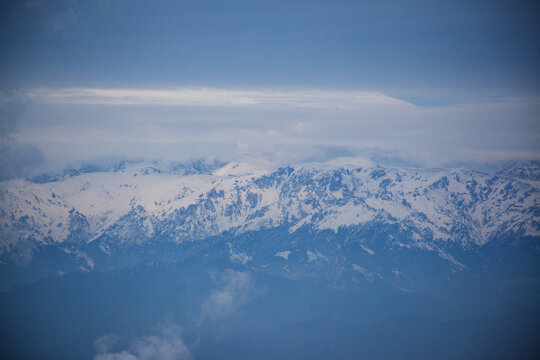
pixel 429 202
pixel 239 257
pixel 311 256
pixel 283 254
pixel 368 250
pixel 240 169
pixel 370 276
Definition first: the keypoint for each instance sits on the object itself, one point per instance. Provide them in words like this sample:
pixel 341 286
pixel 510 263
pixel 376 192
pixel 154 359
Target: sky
pixel 419 83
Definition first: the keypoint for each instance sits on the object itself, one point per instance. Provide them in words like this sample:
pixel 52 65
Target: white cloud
pixel 281 127
pixel 235 289
pixel 352 161
pixel 209 97
pixel 166 345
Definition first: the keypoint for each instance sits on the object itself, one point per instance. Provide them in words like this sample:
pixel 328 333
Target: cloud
pixel 279 127
pixel 12 103
pixel 105 343
pixel 210 97
pixel 16 159
pixel 166 345
pixel 256 147
pixel 350 161
pixel 235 289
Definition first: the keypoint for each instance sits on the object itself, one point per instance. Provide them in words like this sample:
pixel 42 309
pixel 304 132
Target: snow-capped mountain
pixel 529 171
pixel 143 204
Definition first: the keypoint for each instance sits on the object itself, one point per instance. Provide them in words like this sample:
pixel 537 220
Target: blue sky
pixel 404 48
pixel 466 72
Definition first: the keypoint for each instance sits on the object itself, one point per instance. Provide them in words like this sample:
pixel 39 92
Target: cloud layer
pixel 70 126
pixel 16 159
pixel 318 99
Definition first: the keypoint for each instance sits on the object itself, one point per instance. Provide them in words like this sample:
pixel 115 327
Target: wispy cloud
pixel 235 290
pixel 16 159
pixel 166 345
pixel 211 97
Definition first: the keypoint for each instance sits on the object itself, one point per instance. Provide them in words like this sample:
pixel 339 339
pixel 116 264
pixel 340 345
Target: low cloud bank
pixel 166 345
pixel 73 126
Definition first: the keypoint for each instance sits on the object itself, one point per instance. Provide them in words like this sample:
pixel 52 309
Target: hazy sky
pixel 421 82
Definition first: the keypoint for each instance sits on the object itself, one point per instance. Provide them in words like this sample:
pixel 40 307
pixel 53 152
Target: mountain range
pixel 345 222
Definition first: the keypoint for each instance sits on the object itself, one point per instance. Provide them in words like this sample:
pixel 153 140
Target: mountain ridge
pixel 428 210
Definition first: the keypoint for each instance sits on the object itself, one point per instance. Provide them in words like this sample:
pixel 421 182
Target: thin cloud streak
pixel 210 97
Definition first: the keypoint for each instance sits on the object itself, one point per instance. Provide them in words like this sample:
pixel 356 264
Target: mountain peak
pixel 526 170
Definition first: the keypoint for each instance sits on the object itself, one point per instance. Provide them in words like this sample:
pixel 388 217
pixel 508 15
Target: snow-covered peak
pixel 430 205
pixel 135 167
pixel 529 170
pixel 241 169
pixel 336 164
pixel 352 162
